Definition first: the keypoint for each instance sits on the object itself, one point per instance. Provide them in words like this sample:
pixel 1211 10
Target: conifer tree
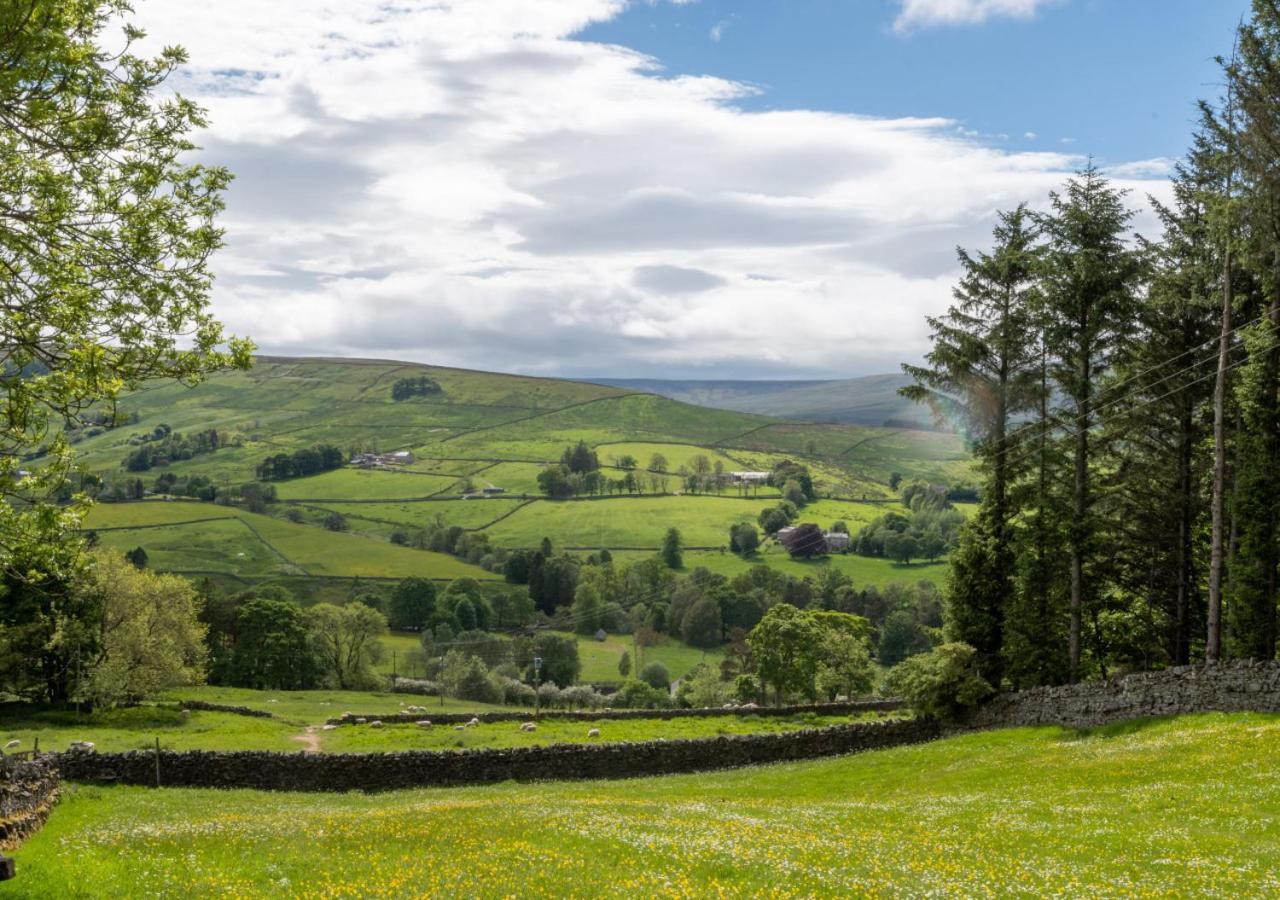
pixel 982 367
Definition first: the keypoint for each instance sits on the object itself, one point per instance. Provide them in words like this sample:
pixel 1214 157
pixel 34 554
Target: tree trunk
pixel 1213 641
pixel 1186 483
pixel 1079 508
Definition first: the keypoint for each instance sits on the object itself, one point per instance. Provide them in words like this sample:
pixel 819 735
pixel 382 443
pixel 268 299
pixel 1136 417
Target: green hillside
pixel 869 400
pixel 1183 807
pixel 480 431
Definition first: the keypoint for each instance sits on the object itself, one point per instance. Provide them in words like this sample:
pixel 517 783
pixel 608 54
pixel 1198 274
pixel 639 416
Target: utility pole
pixel 537 683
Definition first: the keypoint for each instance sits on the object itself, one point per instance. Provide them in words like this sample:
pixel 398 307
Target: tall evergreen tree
pixel 982 367
pixel 1253 77
pixel 1090 283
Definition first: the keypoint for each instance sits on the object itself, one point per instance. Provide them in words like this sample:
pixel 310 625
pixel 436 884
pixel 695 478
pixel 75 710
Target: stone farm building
pixel 837 541
pixel 379 460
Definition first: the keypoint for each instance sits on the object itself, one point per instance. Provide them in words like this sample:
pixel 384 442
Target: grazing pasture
pixel 1030 811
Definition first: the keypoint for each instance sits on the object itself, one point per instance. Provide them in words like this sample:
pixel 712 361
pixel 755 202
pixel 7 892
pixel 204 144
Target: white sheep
pixel 474 722
pixel 13 743
pixel 423 723
pixel 528 726
pixel 594 732
pixel 361 721
pixel 329 727
pixel 85 746
pixel 376 723
pixel 459 727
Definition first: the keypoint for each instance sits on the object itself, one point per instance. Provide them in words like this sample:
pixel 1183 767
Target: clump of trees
pixel 1123 399
pixel 301 463
pixel 415 386
pixel 744 539
pixel 164 446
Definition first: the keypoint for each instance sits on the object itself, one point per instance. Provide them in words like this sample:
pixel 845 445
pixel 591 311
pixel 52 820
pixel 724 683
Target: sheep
pixel 329 727
pixel 81 746
pixel 13 743
pixel 376 723
pixel 361 720
pixel 529 726
pixel 594 732
pixel 474 722
pixel 423 723
pixel 459 727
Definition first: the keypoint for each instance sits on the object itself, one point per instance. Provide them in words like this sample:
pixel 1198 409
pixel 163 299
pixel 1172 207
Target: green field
pixel 497 430
pixel 600 658
pixel 1166 808
pixel 498 735
pixel 258 546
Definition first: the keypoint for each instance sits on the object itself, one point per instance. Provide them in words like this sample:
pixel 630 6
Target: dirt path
pixel 310 740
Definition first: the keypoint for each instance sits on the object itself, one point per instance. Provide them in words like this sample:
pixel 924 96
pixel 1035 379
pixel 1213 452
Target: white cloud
pixel 718 29
pixel 917 14
pixel 463 183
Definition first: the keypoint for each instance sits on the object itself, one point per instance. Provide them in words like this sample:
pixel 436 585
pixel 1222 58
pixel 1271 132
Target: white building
pixel 749 477
pixel 837 541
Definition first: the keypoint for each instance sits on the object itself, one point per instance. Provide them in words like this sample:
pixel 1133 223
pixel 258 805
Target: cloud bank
pixel 464 183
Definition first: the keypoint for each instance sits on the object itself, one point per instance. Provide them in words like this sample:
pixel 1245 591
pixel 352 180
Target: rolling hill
pixel 870 400
pixel 480 430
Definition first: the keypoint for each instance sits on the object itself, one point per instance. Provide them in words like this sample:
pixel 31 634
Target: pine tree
pixel 1090 281
pixel 982 368
pixel 1253 79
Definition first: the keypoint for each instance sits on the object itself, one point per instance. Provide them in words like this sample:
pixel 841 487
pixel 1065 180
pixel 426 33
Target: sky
pixel 657 188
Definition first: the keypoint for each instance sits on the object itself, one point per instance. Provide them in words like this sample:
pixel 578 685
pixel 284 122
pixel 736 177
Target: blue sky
pixel 1116 78
pixel 602 187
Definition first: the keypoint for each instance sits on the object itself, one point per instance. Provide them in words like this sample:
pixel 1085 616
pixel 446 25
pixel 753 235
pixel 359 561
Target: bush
pixel 516 692
pixel 941 684
pixel 580 696
pixel 416 686
pixel 467 678
pixel 746 689
pixel 656 676
pixel 638 695
pixel 703 688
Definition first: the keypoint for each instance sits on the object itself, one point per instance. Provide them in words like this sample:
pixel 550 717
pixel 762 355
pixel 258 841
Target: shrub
pixel 656 676
pixel 580 696
pixel 703 688
pixel 746 689
pixel 516 692
pixel 638 695
pixel 941 684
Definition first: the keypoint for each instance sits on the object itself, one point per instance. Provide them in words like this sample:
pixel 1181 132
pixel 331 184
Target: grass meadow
pixel 1159 808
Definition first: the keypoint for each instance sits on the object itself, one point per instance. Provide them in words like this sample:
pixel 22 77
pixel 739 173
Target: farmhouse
pixel 837 541
pixel 380 460
pixel 784 534
pixel 749 477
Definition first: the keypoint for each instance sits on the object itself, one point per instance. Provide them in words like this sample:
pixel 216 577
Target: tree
pixel 656 676
pixel 560 661
pixel 588 609
pixel 701 626
pixel 671 551
pixel 580 459
pixel 150 637
pixel 624 665
pixel 466 677
pixel 982 366
pixel 554 481
pixel 744 539
pixel 785 646
pixel 336 522
pixel 844 666
pixel 412 606
pixel 807 542
pixel 658 463
pixel 272 650
pixel 1090 280
pixel 703 688
pixel 105 235
pixel 1253 81
pixel 137 557
pixel 942 684
pixel 346 640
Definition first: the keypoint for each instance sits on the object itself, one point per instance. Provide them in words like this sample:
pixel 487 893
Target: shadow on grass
pixel 1136 726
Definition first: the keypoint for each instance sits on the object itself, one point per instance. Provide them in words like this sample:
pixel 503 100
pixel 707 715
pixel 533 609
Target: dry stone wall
pixel 28 791
pixel 428 768
pixel 1224 687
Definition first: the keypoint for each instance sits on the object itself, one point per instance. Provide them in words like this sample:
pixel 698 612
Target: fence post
pixel 157 761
